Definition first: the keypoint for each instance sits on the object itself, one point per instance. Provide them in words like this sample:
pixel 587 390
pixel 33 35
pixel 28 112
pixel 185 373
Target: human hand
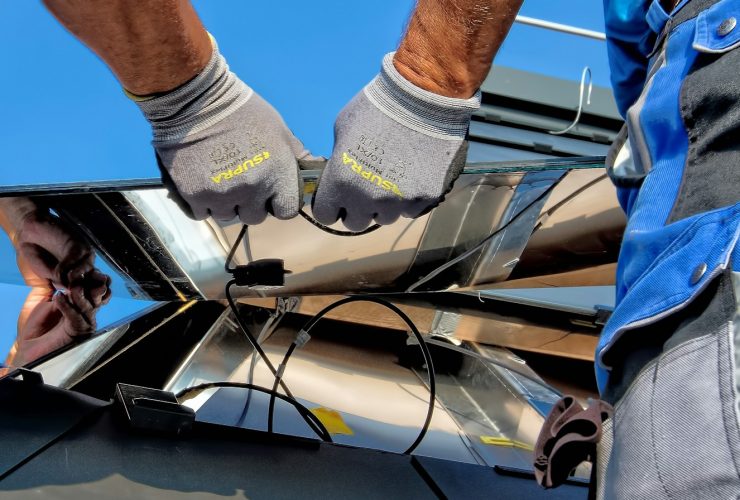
pixel 224 149
pixel 49 252
pixel 398 149
pixel 50 320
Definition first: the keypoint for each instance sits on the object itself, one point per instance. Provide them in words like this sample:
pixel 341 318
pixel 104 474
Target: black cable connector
pixel 272 272
pixel 314 423
pixel 263 272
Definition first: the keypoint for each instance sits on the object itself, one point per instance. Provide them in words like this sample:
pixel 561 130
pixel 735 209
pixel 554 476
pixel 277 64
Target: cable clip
pixel 285 305
pixel 153 410
pixel 301 339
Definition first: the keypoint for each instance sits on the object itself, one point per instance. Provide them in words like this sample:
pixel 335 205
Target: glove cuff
pixel 212 95
pixel 426 112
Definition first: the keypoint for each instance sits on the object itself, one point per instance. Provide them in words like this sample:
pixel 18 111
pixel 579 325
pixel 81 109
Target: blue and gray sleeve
pixel 629 41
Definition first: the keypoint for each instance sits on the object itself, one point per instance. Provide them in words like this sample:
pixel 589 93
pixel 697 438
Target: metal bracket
pixel 153 410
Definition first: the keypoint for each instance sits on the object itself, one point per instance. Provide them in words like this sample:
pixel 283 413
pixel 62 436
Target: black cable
pixel 248 333
pixel 229 258
pixel 243 416
pixel 260 351
pixel 243 235
pixel 422 344
pixel 336 232
pixel 232 252
pixel 436 272
pixel 278 378
pixel 305 412
pixel 431 275
pixel 250 377
pixel 274 318
pixel 569 198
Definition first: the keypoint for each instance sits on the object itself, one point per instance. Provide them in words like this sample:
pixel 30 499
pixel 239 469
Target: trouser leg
pixel 676 429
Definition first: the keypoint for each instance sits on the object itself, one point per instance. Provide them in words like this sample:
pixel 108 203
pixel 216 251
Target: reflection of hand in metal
pixel 67 290
pixel 50 251
pixel 50 320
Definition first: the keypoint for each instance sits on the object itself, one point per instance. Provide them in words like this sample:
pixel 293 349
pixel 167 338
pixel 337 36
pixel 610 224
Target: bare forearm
pixel 450 44
pixel 12 213
pixel 150 45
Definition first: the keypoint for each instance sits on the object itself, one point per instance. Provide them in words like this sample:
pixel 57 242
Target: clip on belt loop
pixel 568 437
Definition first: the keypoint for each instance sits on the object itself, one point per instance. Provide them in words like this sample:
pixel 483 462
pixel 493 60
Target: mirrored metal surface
pixel 527 221
pixel 490 406
pixel 486 222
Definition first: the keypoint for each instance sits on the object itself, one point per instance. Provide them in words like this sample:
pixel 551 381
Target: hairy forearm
pixel 450 44
pixel 150 45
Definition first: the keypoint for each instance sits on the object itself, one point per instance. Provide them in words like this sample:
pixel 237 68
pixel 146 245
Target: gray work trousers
pixel 675 433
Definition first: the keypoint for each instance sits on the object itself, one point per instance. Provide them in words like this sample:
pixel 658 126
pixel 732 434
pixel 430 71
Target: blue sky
pixel 64 117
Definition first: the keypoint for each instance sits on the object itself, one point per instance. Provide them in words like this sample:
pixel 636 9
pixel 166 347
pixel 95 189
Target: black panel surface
pixel 106 459
pixel 457 480
pixel 102 457
pixel 32 416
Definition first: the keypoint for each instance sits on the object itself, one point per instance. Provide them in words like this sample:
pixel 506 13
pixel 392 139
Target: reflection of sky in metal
pixel 67 119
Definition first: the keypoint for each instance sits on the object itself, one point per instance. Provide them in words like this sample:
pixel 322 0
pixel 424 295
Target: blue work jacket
pixel 680 186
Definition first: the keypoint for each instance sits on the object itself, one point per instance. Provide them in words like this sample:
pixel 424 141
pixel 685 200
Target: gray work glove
pixel 225 149
pixel 398 149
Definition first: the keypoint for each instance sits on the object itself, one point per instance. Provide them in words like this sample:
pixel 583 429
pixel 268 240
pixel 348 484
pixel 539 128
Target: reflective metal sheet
pixel 487 412
pixel 490 214
pixel 524 220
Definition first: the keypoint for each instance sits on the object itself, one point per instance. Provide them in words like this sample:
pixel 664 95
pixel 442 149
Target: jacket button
pixel 698 273
pixel 727 26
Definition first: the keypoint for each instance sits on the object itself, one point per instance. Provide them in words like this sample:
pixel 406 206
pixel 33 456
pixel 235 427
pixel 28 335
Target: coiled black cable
pixel 415 331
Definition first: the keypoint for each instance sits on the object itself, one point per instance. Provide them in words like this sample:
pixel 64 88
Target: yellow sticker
pixel 509 443
pixel 332 420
